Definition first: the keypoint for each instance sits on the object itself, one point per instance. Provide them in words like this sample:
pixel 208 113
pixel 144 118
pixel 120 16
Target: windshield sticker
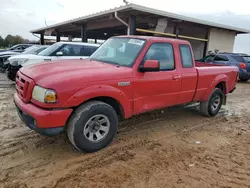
pixel 136 42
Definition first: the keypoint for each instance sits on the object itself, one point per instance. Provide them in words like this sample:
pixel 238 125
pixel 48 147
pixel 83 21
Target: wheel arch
pixel 219 82
pixel 107 94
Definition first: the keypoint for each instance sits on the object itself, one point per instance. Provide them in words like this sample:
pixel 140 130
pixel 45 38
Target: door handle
pixel 176 77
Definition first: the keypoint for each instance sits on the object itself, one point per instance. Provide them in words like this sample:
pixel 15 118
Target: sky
pixel 18 17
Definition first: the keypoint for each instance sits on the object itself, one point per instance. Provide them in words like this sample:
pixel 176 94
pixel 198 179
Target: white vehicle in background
pixel 34 49
pixel 57 51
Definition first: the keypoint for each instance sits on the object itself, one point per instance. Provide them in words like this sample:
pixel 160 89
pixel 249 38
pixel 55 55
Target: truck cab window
pixel 163 52
pixel 186 56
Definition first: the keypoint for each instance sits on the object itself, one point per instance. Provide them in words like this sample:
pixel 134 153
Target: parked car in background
pixel 126 76
pixel 34 49
pixel 11 70
pixel 242 61
pixel 17 48
pixel 57 51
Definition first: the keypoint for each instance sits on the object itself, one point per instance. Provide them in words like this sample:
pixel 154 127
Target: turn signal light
pixel 243 66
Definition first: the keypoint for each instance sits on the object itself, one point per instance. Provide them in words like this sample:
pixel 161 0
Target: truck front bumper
pixel 45 122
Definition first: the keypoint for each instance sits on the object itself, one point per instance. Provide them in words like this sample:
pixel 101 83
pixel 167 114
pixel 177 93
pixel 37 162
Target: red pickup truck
pixel 127 75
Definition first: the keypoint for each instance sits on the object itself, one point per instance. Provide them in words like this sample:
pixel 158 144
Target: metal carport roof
pixel 145 9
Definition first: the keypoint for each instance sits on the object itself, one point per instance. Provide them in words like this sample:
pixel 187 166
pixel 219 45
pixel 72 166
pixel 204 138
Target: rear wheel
pixel 92 126
pixel 213 105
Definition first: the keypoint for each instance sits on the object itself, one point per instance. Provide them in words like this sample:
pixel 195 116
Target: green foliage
pixel 11 40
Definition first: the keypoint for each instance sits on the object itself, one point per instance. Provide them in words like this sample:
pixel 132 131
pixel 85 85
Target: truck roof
pixel 163 39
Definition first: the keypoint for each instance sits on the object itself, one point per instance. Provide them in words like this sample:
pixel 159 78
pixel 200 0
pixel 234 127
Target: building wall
pixel 198 48
pixel 220 39
pixel 194 31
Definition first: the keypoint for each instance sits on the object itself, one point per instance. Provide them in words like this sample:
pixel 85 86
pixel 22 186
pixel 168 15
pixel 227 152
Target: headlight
pixel 16 62
pixel 44 95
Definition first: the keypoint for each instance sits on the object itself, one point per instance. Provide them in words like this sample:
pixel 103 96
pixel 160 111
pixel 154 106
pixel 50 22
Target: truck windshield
pixel 34 49
pixel 50 50
pixel 14 47
pixel 119 51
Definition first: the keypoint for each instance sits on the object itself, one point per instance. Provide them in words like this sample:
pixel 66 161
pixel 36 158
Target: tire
pixel 244 79
pixel 11 77
pixel 213 105
pixel 89 122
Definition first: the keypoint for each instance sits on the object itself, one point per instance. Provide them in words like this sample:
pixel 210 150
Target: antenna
pixel 126 2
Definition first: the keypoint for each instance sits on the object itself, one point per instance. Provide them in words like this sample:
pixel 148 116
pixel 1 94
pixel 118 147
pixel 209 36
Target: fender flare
pixel 218 79
pixel 95 91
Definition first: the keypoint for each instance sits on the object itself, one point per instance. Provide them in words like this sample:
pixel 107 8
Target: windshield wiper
pixel 104 61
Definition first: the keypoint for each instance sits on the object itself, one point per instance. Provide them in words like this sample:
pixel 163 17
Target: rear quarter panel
pixel 210 76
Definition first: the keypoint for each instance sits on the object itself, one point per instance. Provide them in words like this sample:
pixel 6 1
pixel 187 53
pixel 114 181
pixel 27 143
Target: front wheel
pixel 92 126
pixel 213 105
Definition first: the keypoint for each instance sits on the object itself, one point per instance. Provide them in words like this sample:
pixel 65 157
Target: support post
pixel 84 33
pixel 176 30
pixel 206 44
pixel 132 25
pixel 58 36
pixel 42 38
pixel 95 40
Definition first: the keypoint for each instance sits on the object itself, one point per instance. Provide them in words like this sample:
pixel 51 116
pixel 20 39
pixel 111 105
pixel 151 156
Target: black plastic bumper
pixel 31 123
pixel 12 71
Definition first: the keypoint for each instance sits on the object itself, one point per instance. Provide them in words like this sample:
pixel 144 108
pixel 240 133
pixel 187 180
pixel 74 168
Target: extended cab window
pixel 163 52
pixel 186 56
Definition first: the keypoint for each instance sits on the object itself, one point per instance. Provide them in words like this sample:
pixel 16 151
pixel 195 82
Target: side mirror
pixel 150 66
pixel 59 54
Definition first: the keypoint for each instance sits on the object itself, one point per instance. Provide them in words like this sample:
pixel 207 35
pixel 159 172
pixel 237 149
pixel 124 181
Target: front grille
pixel 24 86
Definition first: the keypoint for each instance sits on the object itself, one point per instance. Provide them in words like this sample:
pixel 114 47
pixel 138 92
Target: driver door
pixel 155 90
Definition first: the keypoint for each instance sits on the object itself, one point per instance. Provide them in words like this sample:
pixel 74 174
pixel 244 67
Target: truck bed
pixel 209 73
pixel 202 64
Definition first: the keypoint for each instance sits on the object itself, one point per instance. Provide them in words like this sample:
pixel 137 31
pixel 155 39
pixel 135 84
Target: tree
pixel 1 42
pixel 18 39
pixel 11 40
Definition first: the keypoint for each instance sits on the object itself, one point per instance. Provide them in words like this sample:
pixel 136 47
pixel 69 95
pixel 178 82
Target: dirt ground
pixel 174 147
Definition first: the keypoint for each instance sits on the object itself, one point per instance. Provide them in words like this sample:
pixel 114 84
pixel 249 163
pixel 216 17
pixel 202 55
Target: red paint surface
pixel 77 81
pixel 44 118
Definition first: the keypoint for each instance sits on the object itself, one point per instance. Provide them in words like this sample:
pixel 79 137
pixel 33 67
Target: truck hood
pixel 46 74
